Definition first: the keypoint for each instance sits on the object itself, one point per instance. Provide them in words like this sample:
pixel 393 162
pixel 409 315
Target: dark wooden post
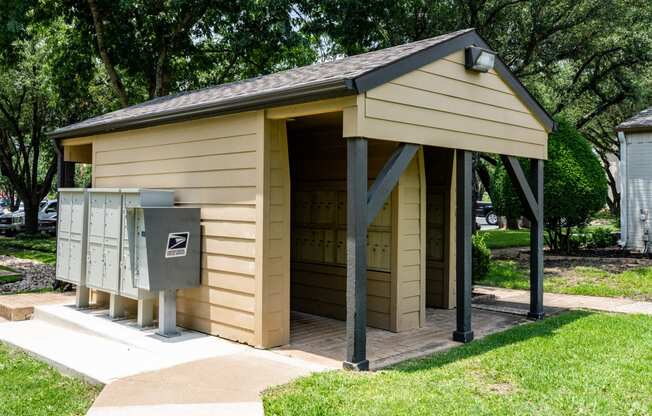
pixel 536 242
pixel 65 170
pixel 464 175
pixel 356 255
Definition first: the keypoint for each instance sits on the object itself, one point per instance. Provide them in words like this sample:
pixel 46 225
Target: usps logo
pixel 177 245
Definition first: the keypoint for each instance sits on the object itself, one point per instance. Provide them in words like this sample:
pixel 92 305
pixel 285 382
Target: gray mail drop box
pixel 165 247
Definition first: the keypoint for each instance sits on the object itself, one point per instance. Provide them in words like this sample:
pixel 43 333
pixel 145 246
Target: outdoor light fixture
pixel 478 59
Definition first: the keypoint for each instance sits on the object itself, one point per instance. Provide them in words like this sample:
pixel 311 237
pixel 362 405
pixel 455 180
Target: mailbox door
pixel 127 287
pixel 63 237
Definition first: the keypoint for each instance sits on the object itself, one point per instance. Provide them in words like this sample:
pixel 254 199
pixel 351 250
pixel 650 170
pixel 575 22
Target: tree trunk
pixel 512 223
pixel 31 216
pixel 118 86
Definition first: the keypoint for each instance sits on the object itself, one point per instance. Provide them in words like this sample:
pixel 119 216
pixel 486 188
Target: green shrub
pixel 575 186
pixel 596 238
pixel 481 257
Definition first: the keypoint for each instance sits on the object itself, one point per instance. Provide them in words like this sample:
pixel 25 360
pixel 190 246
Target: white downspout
pixel 622 173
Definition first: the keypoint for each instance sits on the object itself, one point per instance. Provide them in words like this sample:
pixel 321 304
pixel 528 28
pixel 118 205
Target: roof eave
pixel 293 95
pixel 633 129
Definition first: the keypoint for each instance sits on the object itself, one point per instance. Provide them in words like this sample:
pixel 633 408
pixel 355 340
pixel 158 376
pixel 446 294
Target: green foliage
pixel 30 387
pixel 481 257
pixel 505 238
pixel 30 247
pixel 575 186
pixel 600 237
pixel 568 364
pixel 575 280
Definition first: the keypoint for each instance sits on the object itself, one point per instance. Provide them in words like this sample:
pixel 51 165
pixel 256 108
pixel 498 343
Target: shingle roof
pixel 641 121
pixel 346 76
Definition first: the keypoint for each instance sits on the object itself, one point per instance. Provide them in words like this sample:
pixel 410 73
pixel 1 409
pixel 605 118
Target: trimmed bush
pixel 575 186
pixel 481 257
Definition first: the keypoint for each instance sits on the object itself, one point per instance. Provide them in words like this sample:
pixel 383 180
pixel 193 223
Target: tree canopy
pixel 585 60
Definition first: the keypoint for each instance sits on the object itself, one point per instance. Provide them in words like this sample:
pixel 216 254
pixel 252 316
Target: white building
pixel 635 137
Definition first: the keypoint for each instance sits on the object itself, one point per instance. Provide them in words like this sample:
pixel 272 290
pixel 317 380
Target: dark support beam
pixel 356 255
pixel 536 243
pixel 388 178
pixel 521 185
pixel 65 170
pixel 464 176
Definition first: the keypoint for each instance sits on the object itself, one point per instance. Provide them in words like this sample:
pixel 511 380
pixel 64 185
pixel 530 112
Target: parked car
pixel 486 210
pixel 47 217
pixel 6 226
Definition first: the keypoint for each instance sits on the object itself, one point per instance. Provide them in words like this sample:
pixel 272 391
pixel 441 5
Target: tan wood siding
pixel 408 263
pixel 273 285
pixel 318 160
pixel 443 104
pixel 212 164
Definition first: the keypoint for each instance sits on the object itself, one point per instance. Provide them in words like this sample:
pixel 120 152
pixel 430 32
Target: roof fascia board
pixel 330 89
pixel 412 62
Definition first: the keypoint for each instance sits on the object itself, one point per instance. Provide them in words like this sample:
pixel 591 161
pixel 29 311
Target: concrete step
pixel 21 307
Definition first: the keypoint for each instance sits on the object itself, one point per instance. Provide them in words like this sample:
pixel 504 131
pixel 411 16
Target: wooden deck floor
pixel 320 339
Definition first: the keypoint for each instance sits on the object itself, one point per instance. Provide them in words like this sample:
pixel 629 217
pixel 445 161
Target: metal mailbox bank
pixel 164 252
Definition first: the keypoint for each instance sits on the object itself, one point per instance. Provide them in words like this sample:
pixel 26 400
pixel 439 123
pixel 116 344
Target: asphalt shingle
pixel 641 120
pixel 283 82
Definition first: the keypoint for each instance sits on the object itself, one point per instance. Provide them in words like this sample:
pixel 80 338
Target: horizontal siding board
pixel 231 246
pixel 176 150
pixel 230 161
pixel 230 281
pixel 215 328
pixel 229 196
pixel 218 296
pixel 196 130
pixel 459 89
pixel 241 265
pixel 452 70
pixel 430 100
pixel 403 132
pixel 233 229
pixel 424 117
pixel 225 178
pixel 216 313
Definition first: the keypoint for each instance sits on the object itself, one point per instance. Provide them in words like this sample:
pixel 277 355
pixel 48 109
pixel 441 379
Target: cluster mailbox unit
pixel 130 243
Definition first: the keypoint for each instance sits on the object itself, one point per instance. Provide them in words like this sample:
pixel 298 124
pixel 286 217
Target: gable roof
pixel 641 121
pixel 347 76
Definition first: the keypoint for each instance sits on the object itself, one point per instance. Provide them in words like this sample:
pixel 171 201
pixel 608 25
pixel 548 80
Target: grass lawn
pixel 506 238
pixel 578 363
pixel 31 388
pixel 9 275
pixel 43 249
pixel 590 281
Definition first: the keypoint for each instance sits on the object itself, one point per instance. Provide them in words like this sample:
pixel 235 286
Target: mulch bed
pixel 36 276
pixel 612 260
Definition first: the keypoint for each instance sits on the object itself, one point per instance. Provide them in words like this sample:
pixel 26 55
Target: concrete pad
pixel 88 344
pixel 21 306
pixel 212 409
pixel 234 380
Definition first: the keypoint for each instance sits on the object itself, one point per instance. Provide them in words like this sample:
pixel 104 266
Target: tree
pixel 587 61
pixel 152 48
pixel 43 83
pixel 575 186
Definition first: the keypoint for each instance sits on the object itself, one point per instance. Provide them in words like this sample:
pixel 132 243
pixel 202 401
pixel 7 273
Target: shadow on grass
pixel 541 329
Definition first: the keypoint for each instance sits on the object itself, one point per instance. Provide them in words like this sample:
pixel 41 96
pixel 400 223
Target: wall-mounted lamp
pixel 478 59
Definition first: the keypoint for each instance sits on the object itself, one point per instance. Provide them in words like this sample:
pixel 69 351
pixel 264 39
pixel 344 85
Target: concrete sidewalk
pixel 560 301
pixel 220 386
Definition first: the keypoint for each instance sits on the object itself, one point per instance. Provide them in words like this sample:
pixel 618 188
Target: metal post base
pixel 116 306
pixel 82 297
pixel 536 316
pixel 145 312
pixel 167 313
pixel 464 337
pixel 361 366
